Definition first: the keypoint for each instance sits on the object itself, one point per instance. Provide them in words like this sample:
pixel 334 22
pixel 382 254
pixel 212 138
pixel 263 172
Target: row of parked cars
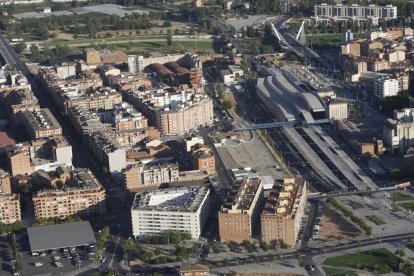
pixel 317 225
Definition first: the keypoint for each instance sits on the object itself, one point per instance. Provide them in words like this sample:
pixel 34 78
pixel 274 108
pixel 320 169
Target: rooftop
pixel 242 198
pixel 80 180
pixel 186 199
pixel 284 197
pixel 60 236
pixel 41 119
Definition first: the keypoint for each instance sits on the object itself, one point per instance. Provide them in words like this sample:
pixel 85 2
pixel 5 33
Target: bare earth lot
pixel 335 226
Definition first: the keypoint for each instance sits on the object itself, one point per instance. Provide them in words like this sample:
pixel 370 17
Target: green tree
pixel 227 104
pixel 34 50
pixel 167 24
pixel 169 39
pixel 20 47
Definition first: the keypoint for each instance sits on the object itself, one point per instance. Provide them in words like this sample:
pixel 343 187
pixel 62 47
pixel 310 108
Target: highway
pixel 11 57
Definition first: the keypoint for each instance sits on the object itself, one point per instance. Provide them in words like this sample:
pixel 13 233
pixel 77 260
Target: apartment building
pixel 283 211
pixel 353 64
pixel 41 123
pixel 85 121
pixel 42 154
pixel 124 116
pixel 140 176
pixel 180 209
pixel 395 55
pixel 352 48
pixel 239 217
pixel 5 183
pixel 338 110
pixel 173 113
pixel 81 195
pixel 109 152
pixel 398 132
pixel 203 159
pixel 10 211
pixel 101 98
pixel 16 99
pixel 125 81
pixel 339 11
pixel 380 84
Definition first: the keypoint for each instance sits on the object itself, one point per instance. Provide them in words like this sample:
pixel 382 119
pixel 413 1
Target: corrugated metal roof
pixel 60 236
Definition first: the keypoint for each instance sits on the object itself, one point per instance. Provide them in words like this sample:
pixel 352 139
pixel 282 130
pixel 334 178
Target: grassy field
pixel 149 45
pixel 408 205
pixel 401 197
pixel 327 39
pixel 376 219
pixel 378 260
pixel 338 272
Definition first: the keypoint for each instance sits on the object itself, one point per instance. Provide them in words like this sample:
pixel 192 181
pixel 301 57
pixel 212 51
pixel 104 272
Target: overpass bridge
pixel 283 124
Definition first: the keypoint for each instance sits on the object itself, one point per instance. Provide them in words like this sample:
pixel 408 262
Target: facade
pixel 173 113
pixel 83 195
pixel 5 183
pixel 9 208
pixel 354 11
pixel 124 116
pixel 41 123
pixel 190 269
pixel 203 159
pixel 137 64
pixel 42 154
pixel 381 85
pixel 182 209
pixel 85 121
pixel 140 176
pixel 398 132
pixel 352 48
pixel 109 152
pixel 338 110
pixel 16 99
pixel 238 218
pixel 283 211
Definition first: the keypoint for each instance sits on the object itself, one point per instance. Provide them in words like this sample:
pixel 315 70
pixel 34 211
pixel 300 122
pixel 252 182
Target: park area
pixel 379 261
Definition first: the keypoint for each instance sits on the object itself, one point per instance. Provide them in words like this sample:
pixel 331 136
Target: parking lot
pixel 71 261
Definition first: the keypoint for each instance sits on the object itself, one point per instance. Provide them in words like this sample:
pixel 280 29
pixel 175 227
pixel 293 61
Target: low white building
pixel 180 209
pixel 231 74
pixel 338 110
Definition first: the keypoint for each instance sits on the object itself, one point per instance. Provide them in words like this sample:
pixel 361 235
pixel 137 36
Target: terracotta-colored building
pixel 240 215
pixel 284 210
pixel 203 159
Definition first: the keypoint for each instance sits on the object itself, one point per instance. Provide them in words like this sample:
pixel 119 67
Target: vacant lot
pixel 378 261
pixel 333 225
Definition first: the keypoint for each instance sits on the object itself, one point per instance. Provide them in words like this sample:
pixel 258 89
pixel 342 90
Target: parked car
pixel 38 264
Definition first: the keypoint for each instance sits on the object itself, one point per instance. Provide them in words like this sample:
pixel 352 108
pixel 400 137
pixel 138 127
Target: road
pixel 11 57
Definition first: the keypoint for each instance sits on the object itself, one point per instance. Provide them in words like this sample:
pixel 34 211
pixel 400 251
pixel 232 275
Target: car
pixel 310 267
pixel 35 253
pixel 38 264
pixel 56 258
pixel 42 254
